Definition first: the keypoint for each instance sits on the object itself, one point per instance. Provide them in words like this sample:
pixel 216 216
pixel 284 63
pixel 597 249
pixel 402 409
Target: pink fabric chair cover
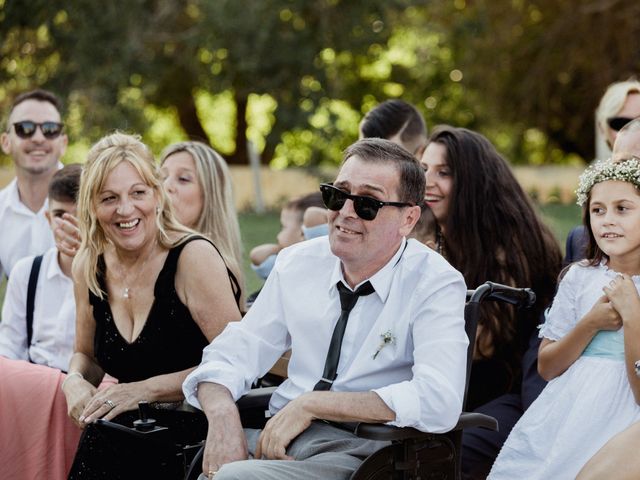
pixel 37 438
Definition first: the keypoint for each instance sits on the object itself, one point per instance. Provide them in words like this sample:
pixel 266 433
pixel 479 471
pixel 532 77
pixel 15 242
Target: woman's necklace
pixel 126 292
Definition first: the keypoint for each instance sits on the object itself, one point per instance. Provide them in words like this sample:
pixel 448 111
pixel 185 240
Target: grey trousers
pixel 321 452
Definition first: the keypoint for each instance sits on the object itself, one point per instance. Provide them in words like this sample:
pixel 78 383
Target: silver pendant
pixel 126 292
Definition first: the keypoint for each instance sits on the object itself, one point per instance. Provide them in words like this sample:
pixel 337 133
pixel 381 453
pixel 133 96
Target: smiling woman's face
pixel 439 180
pixel 125 208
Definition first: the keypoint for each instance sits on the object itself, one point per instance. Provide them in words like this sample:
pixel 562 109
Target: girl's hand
pixel 78 393
pixel 114 400
pixel 623 295
pixel 603 316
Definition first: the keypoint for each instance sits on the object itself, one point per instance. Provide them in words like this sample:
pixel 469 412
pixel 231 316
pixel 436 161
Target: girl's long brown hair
pixel 493 232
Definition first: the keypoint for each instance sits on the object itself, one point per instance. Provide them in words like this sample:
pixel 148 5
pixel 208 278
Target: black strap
pixel 348 300
pixel 31 297
pixel 235 284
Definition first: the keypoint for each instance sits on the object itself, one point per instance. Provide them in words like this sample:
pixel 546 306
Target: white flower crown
pixel 622 170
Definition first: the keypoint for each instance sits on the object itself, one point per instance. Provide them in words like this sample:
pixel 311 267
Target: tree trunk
pixel 241 155
pixel 189 120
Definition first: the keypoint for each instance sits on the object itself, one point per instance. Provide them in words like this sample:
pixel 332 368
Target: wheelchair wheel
pixel 195 469
pixel 378 466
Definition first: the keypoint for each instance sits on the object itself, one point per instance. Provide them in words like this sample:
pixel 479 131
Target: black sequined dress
pixel 170 341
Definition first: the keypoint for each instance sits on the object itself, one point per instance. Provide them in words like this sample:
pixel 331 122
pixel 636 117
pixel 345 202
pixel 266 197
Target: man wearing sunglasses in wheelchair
pixel 33 138
pixel 399 359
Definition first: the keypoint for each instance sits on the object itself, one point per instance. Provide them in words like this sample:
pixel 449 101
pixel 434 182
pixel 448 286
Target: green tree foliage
pixel 296 76
pixel 544 64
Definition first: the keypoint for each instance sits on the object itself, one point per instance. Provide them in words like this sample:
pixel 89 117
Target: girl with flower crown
pixel 590 351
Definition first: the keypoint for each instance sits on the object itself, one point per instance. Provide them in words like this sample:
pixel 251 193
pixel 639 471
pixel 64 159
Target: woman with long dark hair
pixel 489 230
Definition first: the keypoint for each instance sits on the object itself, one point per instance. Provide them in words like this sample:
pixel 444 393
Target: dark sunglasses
pixel 27 128
pixel 366 207
pixel 616 123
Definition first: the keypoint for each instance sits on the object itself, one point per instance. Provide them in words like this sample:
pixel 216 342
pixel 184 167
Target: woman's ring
pixel 212 473
pixel 110 403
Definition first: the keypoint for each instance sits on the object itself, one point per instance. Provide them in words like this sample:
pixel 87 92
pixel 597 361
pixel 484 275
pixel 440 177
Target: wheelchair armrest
pixel 256 398
pixel 472 419
pixel 377 431
pixel 254 407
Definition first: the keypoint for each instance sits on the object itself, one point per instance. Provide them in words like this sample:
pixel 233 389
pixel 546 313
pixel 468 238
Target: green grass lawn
pixel 257 229
pixel 561 219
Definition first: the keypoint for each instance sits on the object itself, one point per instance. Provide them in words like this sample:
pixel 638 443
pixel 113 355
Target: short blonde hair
pixel 103 157
pixel 218 219
pixel 612 101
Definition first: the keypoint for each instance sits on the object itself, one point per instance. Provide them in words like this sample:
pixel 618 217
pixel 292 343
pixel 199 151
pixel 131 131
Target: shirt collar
pixel 54 267
pixel 381 280
pixel 16 204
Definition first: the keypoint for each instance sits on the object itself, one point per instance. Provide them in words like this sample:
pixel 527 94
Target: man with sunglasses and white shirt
pixel 398 356
pixel 34 139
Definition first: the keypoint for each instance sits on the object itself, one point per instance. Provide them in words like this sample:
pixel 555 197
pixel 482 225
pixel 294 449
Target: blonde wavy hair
pixel 103 157
pixel 218 219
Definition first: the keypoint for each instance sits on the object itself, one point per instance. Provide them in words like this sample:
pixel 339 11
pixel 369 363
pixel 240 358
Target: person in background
pixel 315 222
pixel 399 122
pixel 627 142
pixel 36 343
pixel 35 140
pixel 263 256
pixel 619 105
pixel 390 288
pixel 426 228
pixel 150 295
pixel 489 230
pixel 53 309
pixel 199 185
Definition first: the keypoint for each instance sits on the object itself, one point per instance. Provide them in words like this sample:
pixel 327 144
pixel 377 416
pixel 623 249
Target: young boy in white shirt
pixel 50 338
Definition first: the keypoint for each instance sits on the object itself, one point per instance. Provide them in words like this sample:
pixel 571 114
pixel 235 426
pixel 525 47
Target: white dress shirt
pixel 418 302
pixel 54 315
pixel 22 232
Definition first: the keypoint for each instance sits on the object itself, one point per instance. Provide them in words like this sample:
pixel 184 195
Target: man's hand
pixel 226 442
pixel 283 427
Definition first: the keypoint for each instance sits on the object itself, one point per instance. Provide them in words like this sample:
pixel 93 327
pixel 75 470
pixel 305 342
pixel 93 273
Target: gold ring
pixel 212 473
pixel 110 403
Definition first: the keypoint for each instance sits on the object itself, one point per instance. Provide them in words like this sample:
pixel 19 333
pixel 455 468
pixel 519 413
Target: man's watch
pixel 636 366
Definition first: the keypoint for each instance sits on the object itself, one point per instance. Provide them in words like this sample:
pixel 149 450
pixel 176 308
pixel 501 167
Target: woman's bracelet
pixel 70 375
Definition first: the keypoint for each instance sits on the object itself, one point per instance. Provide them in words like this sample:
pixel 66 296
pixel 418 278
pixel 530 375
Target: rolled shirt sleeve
pixel 432 399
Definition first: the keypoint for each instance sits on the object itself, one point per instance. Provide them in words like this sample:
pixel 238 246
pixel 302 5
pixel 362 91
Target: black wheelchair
pixel 410 454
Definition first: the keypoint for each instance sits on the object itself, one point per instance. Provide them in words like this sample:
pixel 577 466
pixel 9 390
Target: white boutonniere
pixel 386 338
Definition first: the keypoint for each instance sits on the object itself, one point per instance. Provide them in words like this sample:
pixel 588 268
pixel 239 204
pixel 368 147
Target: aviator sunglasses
pixel 27 128
pixel 365 207
pixel 616 123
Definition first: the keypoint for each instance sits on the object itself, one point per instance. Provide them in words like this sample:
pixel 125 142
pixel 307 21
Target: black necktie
pixel 348 300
